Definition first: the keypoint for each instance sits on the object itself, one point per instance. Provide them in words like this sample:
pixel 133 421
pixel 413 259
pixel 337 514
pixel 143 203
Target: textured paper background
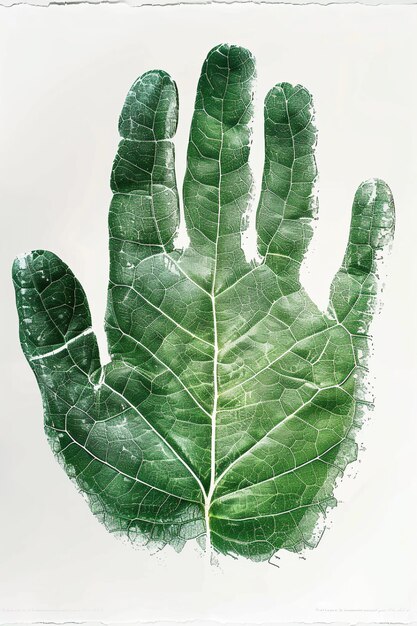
pixel 45 3
pixel 64 75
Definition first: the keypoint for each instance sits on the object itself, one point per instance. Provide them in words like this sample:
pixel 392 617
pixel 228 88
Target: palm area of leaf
pixel 231 402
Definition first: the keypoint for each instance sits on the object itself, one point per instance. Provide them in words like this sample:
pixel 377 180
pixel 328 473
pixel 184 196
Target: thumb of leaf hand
pixel 54 325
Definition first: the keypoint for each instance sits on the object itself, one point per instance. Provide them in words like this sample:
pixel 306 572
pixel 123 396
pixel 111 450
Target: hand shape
pixel 231 402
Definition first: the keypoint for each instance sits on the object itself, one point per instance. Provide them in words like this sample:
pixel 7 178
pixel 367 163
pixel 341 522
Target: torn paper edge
pixel 159 3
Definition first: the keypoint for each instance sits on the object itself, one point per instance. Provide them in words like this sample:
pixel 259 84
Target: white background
pixel 64 75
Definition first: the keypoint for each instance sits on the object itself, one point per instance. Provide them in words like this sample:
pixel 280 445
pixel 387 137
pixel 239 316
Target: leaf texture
pixel 231 403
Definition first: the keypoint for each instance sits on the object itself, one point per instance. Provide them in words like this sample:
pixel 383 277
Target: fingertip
pixel 51 303
pixel 373 189
pixel 150 111
pixel 372 227
pixel 229 56
pixel 373 214
pixel 228 68
pixel 28 262
pixel 153 79
pixel 39 268
pixel 287 91
pixel 286 101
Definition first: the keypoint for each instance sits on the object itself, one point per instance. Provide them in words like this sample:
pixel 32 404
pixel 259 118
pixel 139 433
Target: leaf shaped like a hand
pixel 231 402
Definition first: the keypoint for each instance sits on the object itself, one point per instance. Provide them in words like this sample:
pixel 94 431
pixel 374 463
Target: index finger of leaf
pixel 144 212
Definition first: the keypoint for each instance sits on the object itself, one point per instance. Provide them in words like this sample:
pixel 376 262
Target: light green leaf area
pixel 231 403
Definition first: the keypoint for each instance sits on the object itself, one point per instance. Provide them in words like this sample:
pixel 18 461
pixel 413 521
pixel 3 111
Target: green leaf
pixel 231 403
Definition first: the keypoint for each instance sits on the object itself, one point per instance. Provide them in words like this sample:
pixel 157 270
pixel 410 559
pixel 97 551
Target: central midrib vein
pixel 213 428
pixel 216 342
